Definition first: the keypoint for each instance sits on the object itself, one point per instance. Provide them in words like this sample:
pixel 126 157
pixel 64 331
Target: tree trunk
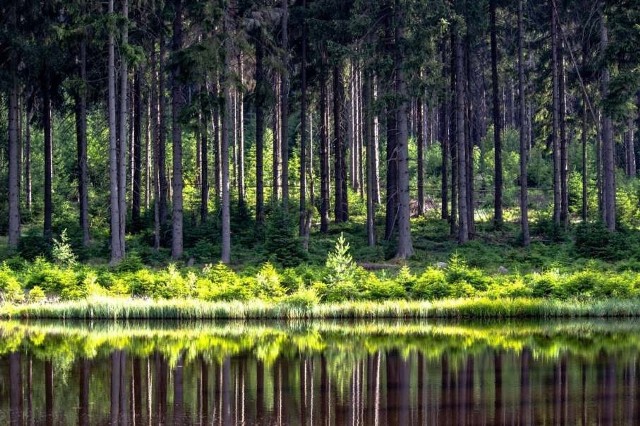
pixel 630 148
pixel 370 147
pixel 420 142
pixel 564 158
pixel 229 24
pixel 324 151
pixel 405 246
pixel 162 132
pixel 81 136
pixel 303 212
pixel 176 129
pixel 524 192
pixel 339 150
pixel 122 141
pixel 284 105
pixel 116 247
pixel 27 158
pixel 497 126
pixel 240 131
pixel 260 92
pixel 444 141
pixel 277 145
pixel 557 164
pixel 14 158
pixel 204 167
pixel 48 156
pixel 608 145
pixel 463 214
pixel 136 187
pixel 392 133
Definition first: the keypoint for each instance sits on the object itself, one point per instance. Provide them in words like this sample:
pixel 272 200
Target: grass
pixel 105 308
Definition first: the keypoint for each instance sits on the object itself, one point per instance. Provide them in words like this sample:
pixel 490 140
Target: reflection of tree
pixel 15 388
pixel 83 392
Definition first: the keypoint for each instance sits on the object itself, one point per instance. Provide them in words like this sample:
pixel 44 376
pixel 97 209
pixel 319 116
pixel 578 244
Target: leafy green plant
pixel 36 295
pixel 431 284
pixel 62 252
pixel 267 283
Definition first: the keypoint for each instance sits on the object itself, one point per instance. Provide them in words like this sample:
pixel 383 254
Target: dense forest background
pixel 221 130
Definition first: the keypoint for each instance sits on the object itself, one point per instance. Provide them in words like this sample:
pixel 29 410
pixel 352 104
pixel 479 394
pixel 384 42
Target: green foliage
pixel 282 245
pixel 33 245
pixel 10 288
pixel 36 295
pixel 267 284
pixel 593 239
pixel 303 299
pixel 61 252
pixel 377 289
pixel 461 276
pixel 432 284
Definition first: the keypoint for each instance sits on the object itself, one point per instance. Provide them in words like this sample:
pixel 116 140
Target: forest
pixel 138 133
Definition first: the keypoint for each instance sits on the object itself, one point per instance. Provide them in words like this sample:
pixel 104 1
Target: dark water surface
pixel 320 373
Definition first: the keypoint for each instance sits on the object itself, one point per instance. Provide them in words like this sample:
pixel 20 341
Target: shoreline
pixel 105 308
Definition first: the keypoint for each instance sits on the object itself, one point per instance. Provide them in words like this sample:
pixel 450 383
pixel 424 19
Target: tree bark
pixel 122 140
pixel 367 92
pixel 240 131
pixel 497 125
pixel 341 213
pixel 524 192
pixel 260 92
pixel 557 164
pixel 48 156
pixel 81 136
pixel 608 145
pixel 204 167
pixel 303 212
pixel 229 24
pixel 420 142
pixel 405 246
pixel 14 158
pixel 324 151
pixel 463 214
pixel 176 129
pixel 284 106
pixel 116 247
pixel 630 148
pixel 136 179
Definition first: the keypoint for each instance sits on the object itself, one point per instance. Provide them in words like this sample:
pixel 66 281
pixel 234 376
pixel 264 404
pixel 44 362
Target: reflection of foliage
pixel 342 345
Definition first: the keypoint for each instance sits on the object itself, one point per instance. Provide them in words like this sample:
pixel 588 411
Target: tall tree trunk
pixel 303 212
pixel 368 124
pixel 116 247
pixel 176 129
pixel 260 92
pixel 162 132
pixel 204 167
pixel 444 141
pixel 463 214
pixel 324 151
pixel 277 145
pixel 392 133
pixel 564 158
pixel 608 145
pixel 497 126
pixel 339 150
pixel 27 157
pixel 81 136
pixel 630 151
pixel 216 129
pixel 524 192
pixel 14 158
pixel 83 392
pixel 136 179
pixel 48 156
pixel 122 141
pixel 227 123
pixel 420 142
pixel 284 105
pixel 557 164
pixel 405 246
pixel 240 130
pixel 585 180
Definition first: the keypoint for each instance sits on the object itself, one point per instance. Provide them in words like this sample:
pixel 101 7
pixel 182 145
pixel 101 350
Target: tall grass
pixel 191 309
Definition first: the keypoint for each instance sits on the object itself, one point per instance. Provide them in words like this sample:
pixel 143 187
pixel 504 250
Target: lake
pixel 320 373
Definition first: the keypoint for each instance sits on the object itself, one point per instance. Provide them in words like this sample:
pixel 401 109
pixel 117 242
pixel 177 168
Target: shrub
pixel 10 289
pixel 405 278
pixel 459 273
pixel 509 289
pixel 303 299
pixel 220 283
pixel 579 284
pixel 543 285
pixel 340 265
pixel 267 283
pixel 619 286
pixel 432 284
pixel 593 239
pixel 281 243
pixel 36 295
pixel 62 251
pixel 337 292
pixel 376 289
pixel 131 263
pixel 33 246
pixel 290 280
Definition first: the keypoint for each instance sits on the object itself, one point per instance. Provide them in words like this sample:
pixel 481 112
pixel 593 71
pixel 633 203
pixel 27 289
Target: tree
pixel 117 245
pixel 81 136
pixel 524 193
pixel 497 125
pixel 608 147
pixel 176 128
pixel 14 179
pixel 229 49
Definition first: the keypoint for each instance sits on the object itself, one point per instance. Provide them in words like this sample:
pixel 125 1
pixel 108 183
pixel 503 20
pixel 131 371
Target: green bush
pixel 267 283
pixel 593 239
pixel 220 283
pixel 303 298
pixel 459 273
pixel 33 245
pixel 432 284
pixel 338 292
pixel 405 278
pixel 282 245
pixel 290 280
pixel 543 285
pixel 131 263
pixel 36 295
pixel 510 288
pixel 10 288
pixel 618 286
pixel 579 284
pixel 376 289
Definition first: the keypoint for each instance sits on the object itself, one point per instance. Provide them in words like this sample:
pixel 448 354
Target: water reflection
pixel 320 373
